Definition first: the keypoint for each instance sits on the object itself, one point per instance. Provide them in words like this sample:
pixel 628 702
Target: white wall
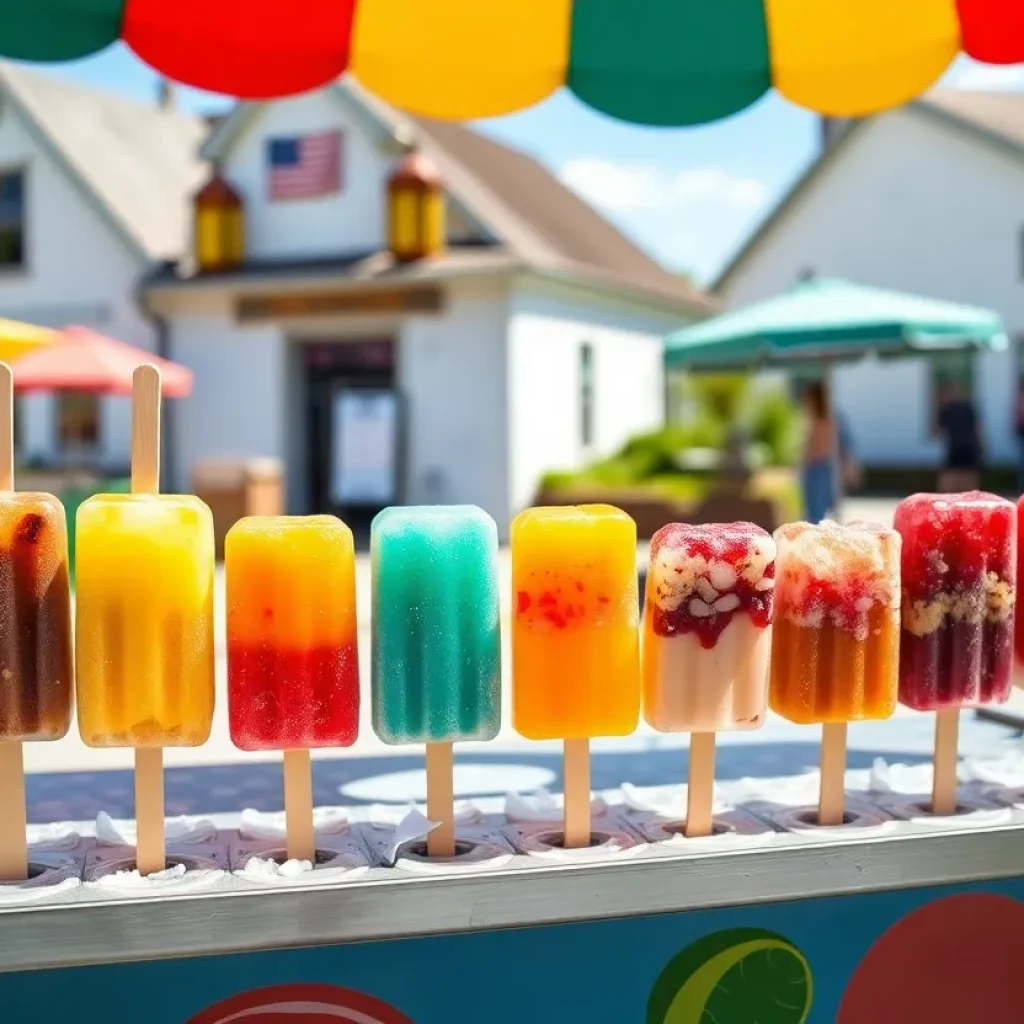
pixel 452 372
pixel 549 325
pixel 350 221
pixel 914 205
pixel 238 407
pixel 79 271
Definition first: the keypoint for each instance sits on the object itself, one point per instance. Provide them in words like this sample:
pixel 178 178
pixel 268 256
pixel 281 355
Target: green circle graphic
pixel 739 976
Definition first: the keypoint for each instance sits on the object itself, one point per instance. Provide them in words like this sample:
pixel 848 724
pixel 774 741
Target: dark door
pixel 354 431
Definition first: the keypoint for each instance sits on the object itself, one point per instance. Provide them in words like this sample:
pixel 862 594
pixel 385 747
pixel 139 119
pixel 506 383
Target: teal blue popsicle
pixel 436 648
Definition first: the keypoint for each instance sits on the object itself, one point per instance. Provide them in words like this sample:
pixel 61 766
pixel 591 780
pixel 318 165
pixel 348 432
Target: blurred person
pixel 828 450
pixel 956 422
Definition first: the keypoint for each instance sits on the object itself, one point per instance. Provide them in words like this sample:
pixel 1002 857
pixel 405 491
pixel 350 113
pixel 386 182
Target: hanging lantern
pixel 416 210
pixel 219 226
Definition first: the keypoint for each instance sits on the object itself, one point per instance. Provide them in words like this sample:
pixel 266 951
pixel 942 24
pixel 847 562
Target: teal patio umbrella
pixel 832 320
pixel 826 321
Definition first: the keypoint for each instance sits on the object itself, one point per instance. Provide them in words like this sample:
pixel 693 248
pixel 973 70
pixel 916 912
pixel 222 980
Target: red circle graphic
pixel 301 1004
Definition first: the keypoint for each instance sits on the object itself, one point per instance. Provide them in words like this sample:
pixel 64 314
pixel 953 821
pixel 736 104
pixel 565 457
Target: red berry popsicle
pixel 959 585
pixel 1019 619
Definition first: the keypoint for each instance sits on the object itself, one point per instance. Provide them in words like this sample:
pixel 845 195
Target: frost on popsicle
pixel 700 577
pixel 959 591
pixel 837 600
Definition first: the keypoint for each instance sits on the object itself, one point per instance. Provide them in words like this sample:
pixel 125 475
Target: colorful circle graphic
pixel 951 961
pixel 743 976
pixel 301 1004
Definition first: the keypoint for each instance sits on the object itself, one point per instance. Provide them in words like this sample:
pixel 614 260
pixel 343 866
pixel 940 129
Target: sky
pixel 690 196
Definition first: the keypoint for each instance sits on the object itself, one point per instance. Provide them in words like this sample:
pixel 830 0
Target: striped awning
pixel 656 62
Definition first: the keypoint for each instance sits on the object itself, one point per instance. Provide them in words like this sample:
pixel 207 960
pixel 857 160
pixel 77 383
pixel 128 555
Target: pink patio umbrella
pixel 82 360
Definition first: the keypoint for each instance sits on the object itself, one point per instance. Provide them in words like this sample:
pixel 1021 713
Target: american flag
pixel 304 166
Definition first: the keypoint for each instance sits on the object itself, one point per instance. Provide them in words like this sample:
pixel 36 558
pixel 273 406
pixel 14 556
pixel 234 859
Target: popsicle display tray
pixel 880 919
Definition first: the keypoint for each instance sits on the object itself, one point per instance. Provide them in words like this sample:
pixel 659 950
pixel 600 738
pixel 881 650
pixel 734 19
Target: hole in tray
pixel 556 840
pixel 718 828
pixel 280 857
pixel 926 809
pixel 34 871
pixel 463 848
pixel 810 818
pixel 111 867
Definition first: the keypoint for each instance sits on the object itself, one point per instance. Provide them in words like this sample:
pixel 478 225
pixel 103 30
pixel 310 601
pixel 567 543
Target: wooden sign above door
pixel 296 305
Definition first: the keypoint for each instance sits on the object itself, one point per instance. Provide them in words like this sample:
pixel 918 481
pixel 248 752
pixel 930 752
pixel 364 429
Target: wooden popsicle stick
pixel 146 430
pixel 700 792
pixel 832 795
pixel 6 428
pixel 13 840
pixel 576 769
pixel 947 736
pixel 13 813
pixel 298 805
pixel 441 800
pixel 150 853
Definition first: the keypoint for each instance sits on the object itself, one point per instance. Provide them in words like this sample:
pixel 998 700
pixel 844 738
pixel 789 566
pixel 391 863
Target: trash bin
pixel 237 488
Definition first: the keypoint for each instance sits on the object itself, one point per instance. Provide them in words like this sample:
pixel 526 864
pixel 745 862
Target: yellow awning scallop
pixel 852 57
pixel 462 59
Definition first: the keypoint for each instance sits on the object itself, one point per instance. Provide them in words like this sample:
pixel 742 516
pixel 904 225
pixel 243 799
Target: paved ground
pixel 70 782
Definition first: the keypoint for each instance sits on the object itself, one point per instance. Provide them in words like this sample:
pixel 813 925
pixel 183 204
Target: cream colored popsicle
pixel 707 627
pixel 706 642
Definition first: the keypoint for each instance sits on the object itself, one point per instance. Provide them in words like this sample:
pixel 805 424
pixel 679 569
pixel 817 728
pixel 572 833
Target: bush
pixel 713 410
pixel 775 425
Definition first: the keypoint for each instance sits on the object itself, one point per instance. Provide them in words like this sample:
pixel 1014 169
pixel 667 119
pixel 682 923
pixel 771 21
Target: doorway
pixel 354 429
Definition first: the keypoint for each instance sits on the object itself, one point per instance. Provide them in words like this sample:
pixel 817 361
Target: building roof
pixel 137 163
pixel 1000 113
pixel 542 221
pixel 522 206
pixel 992 117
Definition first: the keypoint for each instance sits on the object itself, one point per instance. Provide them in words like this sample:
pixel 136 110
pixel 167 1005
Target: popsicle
pixel 36 657
pixel 293 665
pixel 835 639
pixel 575 638
pixel 706 642
pixel 959 590
pixel 436 650
pixel 1018 629
pixel 144 621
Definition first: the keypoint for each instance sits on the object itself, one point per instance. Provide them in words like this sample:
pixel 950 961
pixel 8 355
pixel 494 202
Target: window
pixel 78 421
pixel 12 219
pixel 586 394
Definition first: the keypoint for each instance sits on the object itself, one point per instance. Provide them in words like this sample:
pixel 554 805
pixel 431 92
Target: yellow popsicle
pixel 144 621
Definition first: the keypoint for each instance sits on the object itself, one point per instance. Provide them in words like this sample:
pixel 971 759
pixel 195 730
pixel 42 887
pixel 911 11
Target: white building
pixel 532 342
pixel 93 189
pixel 926 199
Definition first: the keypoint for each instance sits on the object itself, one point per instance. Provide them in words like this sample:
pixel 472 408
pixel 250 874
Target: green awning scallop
pixel 53 30
pixel 657 63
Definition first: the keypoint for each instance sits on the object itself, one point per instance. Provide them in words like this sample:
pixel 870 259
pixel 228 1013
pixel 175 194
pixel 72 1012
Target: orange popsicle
pixel 835 648
pixel 575 625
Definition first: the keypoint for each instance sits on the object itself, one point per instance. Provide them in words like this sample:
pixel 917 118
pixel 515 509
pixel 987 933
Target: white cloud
pixel 622 188
pixel 689 219
pixel 970 75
